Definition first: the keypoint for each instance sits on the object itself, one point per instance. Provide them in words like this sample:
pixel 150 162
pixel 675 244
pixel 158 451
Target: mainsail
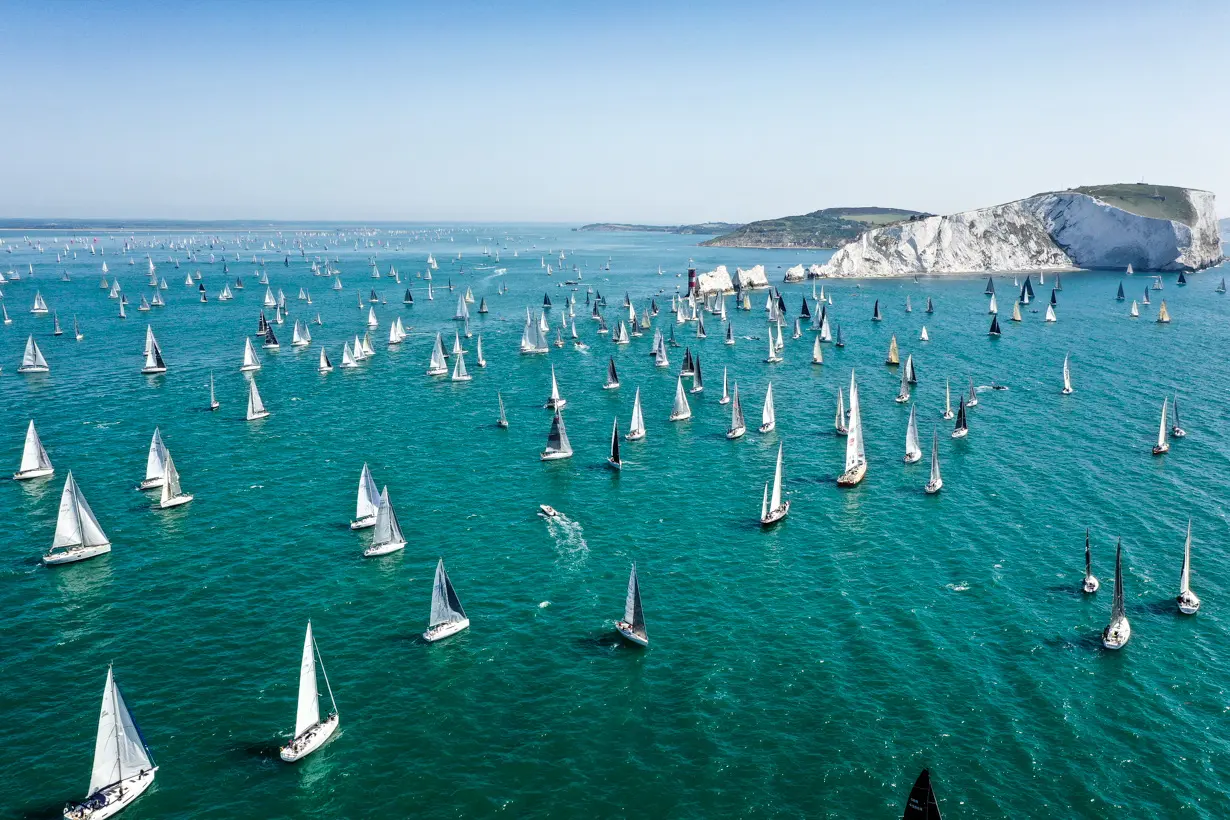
pixel 119 750
pixel 445 606
pixel 33 456
pixel 634 615
pixel 76 525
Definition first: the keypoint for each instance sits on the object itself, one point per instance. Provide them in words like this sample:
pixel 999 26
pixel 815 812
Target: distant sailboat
pixel 310 731
pixel 817 354
pixel 772 508
pixel 1221 288
pixel 948 414
pixel 1189 603
pixel 460 374
pixel 913 450
pixel 479 359
pixel 1135 312
pixel 725 393
pixel 437 365
pixel 698 379
pixel 214 404
pixel 632 626
pixel 737 425
pixel 856 458
pixel 172 494
pixel 994 308
pixel 557 441
pixel 875 315
pixel 1067 377
pixel 840 422
pixel 934 483
pixel 1163 315
pixel 972 401
pixel 250 360
pixel 612 379
pixel 153 355
pixel 680 410
pixel 962 427
pixel 1162 446
pixel 768 415
pixel 32 360
pixel 256 407
pixel 447 616
pixel 1090 583
pixel 1016 311
pixel 613 460
pixel 386 535
pixel 894 357
pixel 155 464
pixel 123 765
pixel 636 429
pixel 78 535
pixel 903 394
pixel 994 331
pixel 1050 314
pixel 1118 631
pixel 555 401
pixel 1176 429
pixel 923 337
pixel 35 463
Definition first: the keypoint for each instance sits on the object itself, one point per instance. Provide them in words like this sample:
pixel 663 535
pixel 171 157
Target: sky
pixel 649 112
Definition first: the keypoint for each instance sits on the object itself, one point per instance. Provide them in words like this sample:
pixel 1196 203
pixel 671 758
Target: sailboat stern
pixel 853 475
pixel 111 800
pixel 310 740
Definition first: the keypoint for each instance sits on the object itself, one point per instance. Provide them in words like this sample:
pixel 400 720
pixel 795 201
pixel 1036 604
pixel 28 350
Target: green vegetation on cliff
pixel 1155 201
pixel 827 228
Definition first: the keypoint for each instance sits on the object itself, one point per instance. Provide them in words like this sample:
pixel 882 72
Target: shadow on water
pixel 1162 606
pixel 1070 591
pixel 41 812
pixel 263 749
pixel 1090 642
pixel 606 643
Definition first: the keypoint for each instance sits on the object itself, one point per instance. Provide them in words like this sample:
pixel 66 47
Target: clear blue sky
pixel 651 112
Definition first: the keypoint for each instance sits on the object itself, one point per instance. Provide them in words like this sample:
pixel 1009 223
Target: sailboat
pixel 310 731
pixel 1016 311
pixel 172 494
pixel 1119 296
pixel 994 331
pixel 32 360
pixel 840 422
pixel 447 616
pixel 460 374
pixel 913 450
pixel 993 308
pixel 250 360
pixel 948 414
pixel 78 535
pixel 1050 314
pixel 894 357
pixel 856 458
pixel 698 380
pixel 1090 583
pixel 923 337
pixel 934 482
pixel 903 394
pixel 1135 311
pixel 768 415
pixel 1176 429
pixel 557 441
pixel 367 504
pixel 613 461
pixel 921 804
pixel 632 626
pixel 772 358
pixel 8 320
pixel 1067 377
pixel 325 365
pixel 680 410
pixel 612 379
pixel 1144 300
pixel 1163 315
pixel 386 537
pixel 155 464
pixel 502 420
pixel 636 430
pixel 817 354
pixel 55 325
pixel 972 401
pixel 214 404
pixel 40 305
pixel 772 508
pixel 35 463
pixel 123 766
pixel 1162 446
pixel 1118 631
pixel 1189 603
pixel 555 401
pixel 437 365
pixel 256 407
pixel 962 428
pixel 725 394
pixel 1221 288
pixel 479 359
pixel 153 355
pixel 875 315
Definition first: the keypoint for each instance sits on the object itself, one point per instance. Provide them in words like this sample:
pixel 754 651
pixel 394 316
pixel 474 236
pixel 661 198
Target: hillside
pixel 1154 201
pixel 699 228
pixel 826 228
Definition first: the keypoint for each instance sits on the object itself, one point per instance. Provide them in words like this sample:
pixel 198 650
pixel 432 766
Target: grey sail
pixel 634 615
pixel 445 606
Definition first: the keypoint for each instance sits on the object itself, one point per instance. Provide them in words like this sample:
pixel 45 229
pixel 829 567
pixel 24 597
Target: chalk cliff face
pixel 1052 231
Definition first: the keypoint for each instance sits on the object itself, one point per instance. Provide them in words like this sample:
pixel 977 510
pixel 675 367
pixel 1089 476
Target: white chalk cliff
pixel 1054 231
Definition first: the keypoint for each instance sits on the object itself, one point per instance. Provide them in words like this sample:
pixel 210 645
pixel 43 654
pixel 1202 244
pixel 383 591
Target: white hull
pixel 962 433
pixel 736 433
pixel 681 416
pixel 363 523
pixel 439 633
pixel 149 371
pixel 910 458
pixel 933 488
pixel 1090 585
pixel 625 629
pixel 183 498
pixel 113 801
pixel 554 456
pixel 1119 638
pixel 74 554
pixel 768 428
pixel 635 436
pixel 775 515
pixel 435 371
pixel 248 368
pixel 311 740
pixel 383 549
pixel 259 416
pixel 611 386
pixel 949 415
pixel 152 483
pixel 1160 449
pixel 1067 391
pixel 1189 604
pixel 33 368
pixel 724 400
pixel 1178 432
pixel 38 472
pixel 615 465
pixel 852 476
pixel 556 404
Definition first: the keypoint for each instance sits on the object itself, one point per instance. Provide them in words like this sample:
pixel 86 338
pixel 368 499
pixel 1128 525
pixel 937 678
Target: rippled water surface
pixel 808 670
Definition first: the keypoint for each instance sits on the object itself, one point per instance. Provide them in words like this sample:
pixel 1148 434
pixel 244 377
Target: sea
pixel 812 669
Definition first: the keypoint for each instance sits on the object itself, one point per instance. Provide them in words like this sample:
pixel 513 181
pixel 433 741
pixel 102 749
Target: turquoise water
pixel 810 670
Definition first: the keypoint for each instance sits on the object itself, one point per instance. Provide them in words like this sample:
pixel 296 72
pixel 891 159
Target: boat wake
pixel 569 539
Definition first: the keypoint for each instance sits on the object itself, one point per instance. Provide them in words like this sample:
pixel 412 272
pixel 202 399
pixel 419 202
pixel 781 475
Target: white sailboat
pixel 35 463
pixel 256 407
pixel 437 365
pixel 772 358
pixel 632 626
pixel 325 365
pixel 903 394
pixel 923 337
pixel 78 535
pixel 913 450
pixel 612 378
pixel 32 360
pixel 680 410
pixel 636 429
pixel 447 616
pixel 40 305
pixel 479 359
pixel 250 360
pixel 155 463
pixel 153 354
pixel 1189 603
pixel 557 441
pixel 460 374
pixel 725 393
pixel 172 494
pixel 948 414
pixel 737 425
pixel 1050 313
pixel 123 766
pixel 1118 631
pixel 1163 445
pixel 502 420
pixel 1067 377
pixel 1090 583
pixel 387 536
pixel 934 482
pixel 768 415
pixel 856 458
pixel 772 508
pixel 555 401
pixel 310 731
pixel 367 505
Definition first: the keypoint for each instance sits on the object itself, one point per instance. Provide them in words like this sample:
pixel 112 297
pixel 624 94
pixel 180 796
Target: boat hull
pixel 258 416
pixel 614 465
pixel 363 523
pixel 775 515
pixel 1188 604
pixel 635 436
pixel 178 500
pixel 852 476
pixel 910 458
pixel 1090 585
pixel 116 797
pixel 625 631
pixel 681 416
pixel 553 456
pixel 768 428
pixel 38 472
pixel 439 633
pixel 152 483
pixel 383 549
pixel 737 432
pixel 33 368
pixel 248 368
pixel 71 556
pixel 933 488
pixel 1118 637
pixel 1160 449
pixel 310 741
pixel 962 433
